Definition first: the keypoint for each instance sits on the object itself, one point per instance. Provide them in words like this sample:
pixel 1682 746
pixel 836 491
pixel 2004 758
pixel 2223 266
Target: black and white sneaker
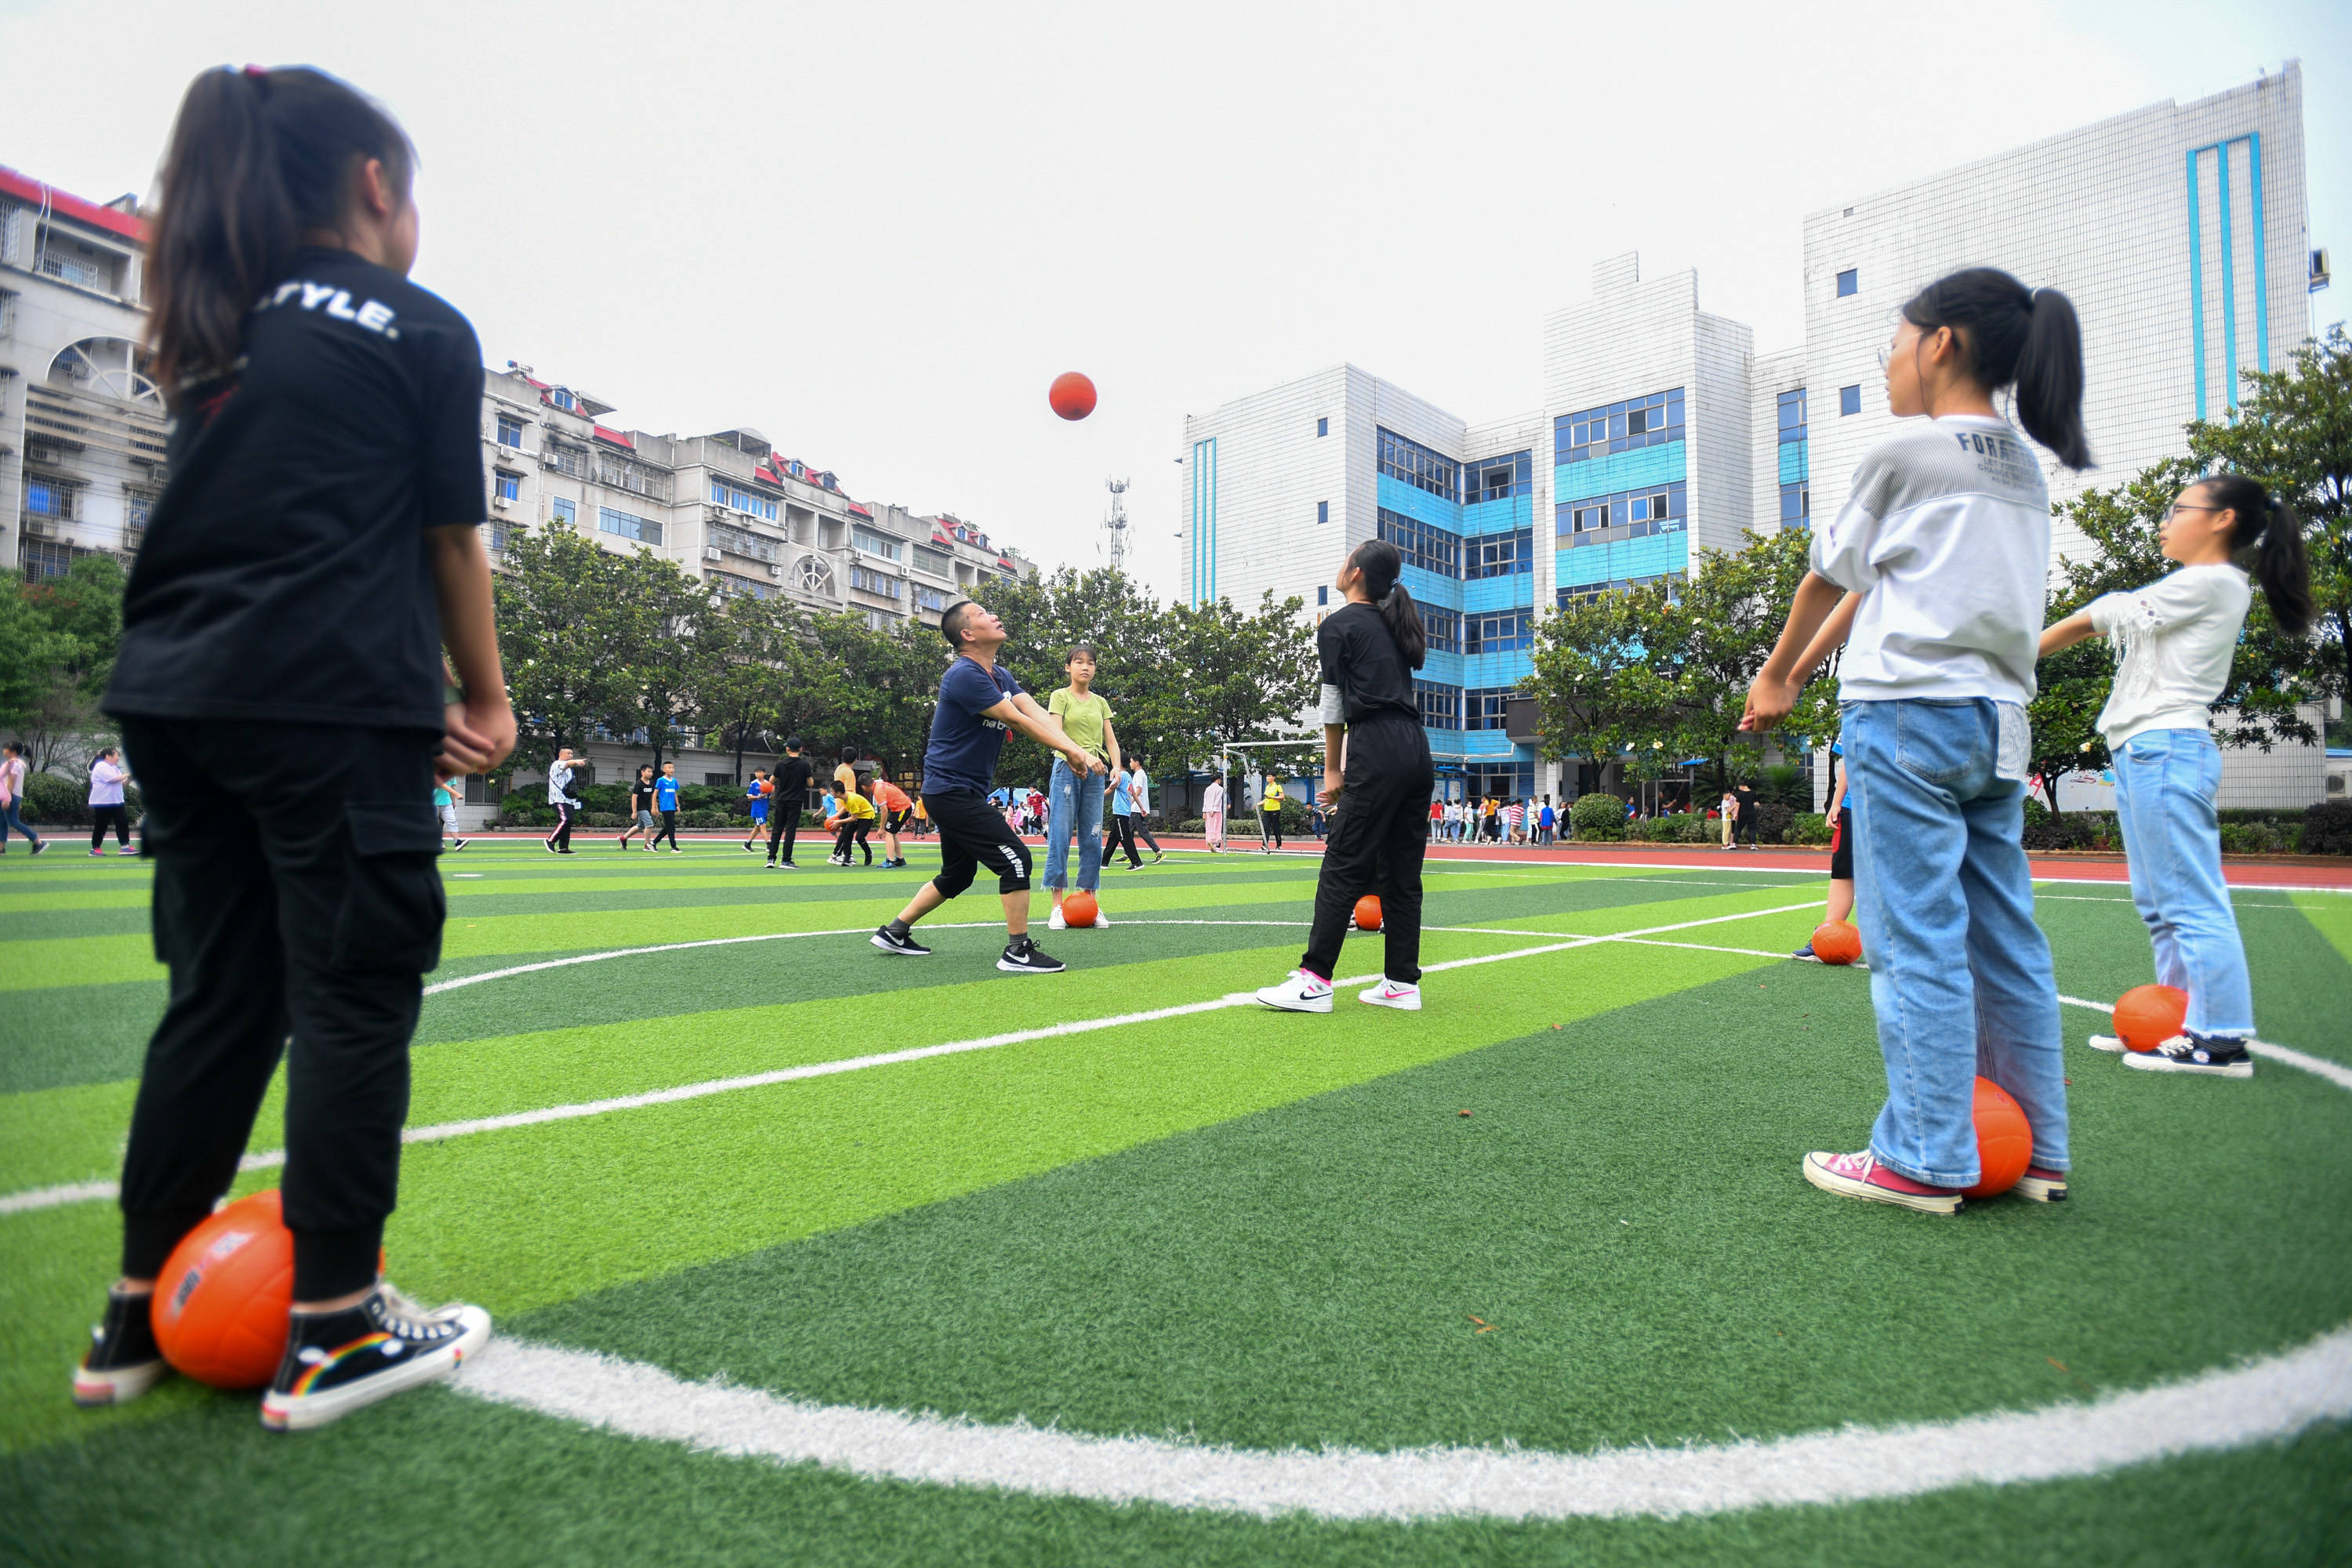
pixel 1806 952
pixel 122 1362
pixel 2215 1056
pixel 458 845
pixel 892 937
pixel 1022 956
pixel 337 1361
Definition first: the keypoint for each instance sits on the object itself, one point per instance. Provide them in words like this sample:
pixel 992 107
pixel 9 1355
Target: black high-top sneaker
pixel 2216 1056
pixel 337 1361
pixel 122 1362
pixel 1022 956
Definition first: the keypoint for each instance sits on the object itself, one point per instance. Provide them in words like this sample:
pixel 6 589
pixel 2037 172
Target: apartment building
pixel 81 426
pixel 2178 230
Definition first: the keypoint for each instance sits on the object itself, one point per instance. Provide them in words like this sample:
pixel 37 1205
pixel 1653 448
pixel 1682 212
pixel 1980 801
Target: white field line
pixel 84 1192
pixel 2269 1399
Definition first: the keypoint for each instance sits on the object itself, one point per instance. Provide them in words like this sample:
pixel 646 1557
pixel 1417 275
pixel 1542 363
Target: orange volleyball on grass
pixel 1836 942
pixel 1072 396
pixel 2004 1140
pixel 1079 908
pixel 221 1301
pixel 2148 1015
pixel 1368 912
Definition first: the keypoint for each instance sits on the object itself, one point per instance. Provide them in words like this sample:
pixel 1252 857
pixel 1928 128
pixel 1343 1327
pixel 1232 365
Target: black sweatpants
pixel 973 834
pixel 1744 827
pixel 299 904
pixel 1139 823
pixel 1379 834
pixel 669 828
pixel 1122 837
pixel 102 816
pixel 561 837
pixel 854 832
pixel 1269 826
pixel 784 828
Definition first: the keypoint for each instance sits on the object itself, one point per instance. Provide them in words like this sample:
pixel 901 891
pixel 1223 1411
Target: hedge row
pixel 54 802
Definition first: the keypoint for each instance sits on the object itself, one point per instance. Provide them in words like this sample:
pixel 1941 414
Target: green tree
pixel 1244 677
pixel 659 629
pixel 564 629
pixel 746 647
pixel 1704 645
pixel 82 611
pixel 31 654
pixel 1591 701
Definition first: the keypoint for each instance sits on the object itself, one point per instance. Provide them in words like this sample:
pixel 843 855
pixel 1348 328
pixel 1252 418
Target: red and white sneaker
pixel 1862 1176
pixel 2041 1184
pixel 1401 994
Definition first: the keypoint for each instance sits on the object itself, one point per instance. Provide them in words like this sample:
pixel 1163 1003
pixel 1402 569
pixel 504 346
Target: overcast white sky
pixel 875 233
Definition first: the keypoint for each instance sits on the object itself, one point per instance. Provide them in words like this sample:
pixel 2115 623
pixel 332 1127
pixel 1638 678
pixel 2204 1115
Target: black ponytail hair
pixel 2265 525
pixel 1380 562
pixel 257 159
pixel 2012 335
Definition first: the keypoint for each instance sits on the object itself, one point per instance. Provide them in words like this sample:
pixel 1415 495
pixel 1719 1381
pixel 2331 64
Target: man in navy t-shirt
pixel 978 701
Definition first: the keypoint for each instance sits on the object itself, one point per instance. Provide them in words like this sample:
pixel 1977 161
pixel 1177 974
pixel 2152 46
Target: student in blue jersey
pixel 978 701
pixel 665 803
pixel 755 795
pixel 280 686
pixel 1945 538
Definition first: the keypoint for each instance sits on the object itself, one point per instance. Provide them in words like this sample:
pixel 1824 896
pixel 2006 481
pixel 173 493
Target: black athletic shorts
pixel 895 821
pixel 973 834
pixel 1842 846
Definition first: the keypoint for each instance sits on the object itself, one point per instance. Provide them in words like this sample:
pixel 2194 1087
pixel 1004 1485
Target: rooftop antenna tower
pixel 1116 523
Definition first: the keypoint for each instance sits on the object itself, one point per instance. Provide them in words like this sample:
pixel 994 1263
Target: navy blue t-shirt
pixel 965 745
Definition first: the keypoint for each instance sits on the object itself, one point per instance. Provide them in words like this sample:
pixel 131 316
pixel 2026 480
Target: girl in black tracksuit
pixel 1377 779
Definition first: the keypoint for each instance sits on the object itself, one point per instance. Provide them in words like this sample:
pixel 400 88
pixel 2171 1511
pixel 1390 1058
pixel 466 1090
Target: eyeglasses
pixel 2187 506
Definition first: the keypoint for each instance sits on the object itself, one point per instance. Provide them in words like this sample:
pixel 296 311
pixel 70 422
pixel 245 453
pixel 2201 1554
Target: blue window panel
pixel 1576 568
pixel 1428 588
pixel 1499 516
pixel 1491 594
pixel 509 487
pixel 1444 668
pixel 1412 463
pixel 1589 520
pixel 1322 511
pixel 1440 703
pixel 1637 421
pixel 1849 283
pixel 1486 744
pixel 1323 593
pixel 1496 668
pixel 1204 531
pixel 1850 399
pixel 1794 463
pixel 1649 557
pixel 1625 471
pixel 1323 427
pixel 1791 411
pixel 1410 500
pixel 1796 505
pixel 1487 480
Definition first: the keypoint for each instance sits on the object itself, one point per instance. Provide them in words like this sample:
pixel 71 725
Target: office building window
pixel 564 511
pixel 743 542
pixel 1626 426
pixel 1323 594
pixel 506 486
pixel 1482 709
pixel 1499 478
pixel 643 530
pixel 1793 416
pixel 1586 593
pixel 563 400
pixel 1796 504
pixel 509 430
pixel 46 498
pixel 1323 427
pixel 1431 549
pixel 1849 282
pixel 137 505
pixel 1443 628
pixel 874 583
pixel 1850 399
pixel 1322 511
pixel 1416 465
pixel 1441 706
pixel 1627 514
pixel 933 599
pixel 874 543
pixel 1499 554
pixel 737 498
pixel 1505 631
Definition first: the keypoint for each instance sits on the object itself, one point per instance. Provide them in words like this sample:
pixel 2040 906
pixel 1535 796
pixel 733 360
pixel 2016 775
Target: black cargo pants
pixel 1378 835
pixel 299 904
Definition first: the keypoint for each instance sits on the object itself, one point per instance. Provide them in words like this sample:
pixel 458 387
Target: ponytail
pixel 1380 562
pixel 258 160
pixel 2013 335
pixel 2265 524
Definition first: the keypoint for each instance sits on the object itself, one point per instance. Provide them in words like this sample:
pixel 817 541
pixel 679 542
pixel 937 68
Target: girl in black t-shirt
pixel 280 689
pixel 1377 781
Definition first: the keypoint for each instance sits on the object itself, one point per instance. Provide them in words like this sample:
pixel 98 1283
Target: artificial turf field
pixel 1127 1209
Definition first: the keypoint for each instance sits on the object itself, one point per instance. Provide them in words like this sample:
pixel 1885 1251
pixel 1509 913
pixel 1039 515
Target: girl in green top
pixel 1075 805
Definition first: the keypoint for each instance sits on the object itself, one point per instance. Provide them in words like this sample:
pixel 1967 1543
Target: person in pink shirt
pixel 12 797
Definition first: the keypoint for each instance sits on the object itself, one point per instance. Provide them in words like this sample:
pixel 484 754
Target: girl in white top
pixel 107 777
pixel 1939 555
pixel 2175 641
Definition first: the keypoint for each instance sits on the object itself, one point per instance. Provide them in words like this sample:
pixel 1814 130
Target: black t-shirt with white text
pixel 285 575
pixel 1361 657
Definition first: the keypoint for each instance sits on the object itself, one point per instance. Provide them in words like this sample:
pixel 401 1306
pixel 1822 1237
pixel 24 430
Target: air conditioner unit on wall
pixel 775 569
pixel 712 552
pixel 502 502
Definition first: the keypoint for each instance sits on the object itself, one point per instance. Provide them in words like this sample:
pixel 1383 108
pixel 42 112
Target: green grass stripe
pixel 74 1133
pixel 52 900
pixel 2331 915
pixel 77 961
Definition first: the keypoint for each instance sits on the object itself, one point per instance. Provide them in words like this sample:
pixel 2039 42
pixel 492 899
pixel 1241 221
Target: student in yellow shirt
pixel 852 821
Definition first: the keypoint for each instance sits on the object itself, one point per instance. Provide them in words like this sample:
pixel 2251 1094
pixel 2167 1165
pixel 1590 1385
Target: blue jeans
pixel 2165 784
pixel 9 819
pixel 1072 806
pixel 1959 974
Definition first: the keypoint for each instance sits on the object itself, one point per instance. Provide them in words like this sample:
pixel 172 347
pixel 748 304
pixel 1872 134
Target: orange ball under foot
pixel 1836 942
pixel 2148 1015
pixel 221 1303
pixel 1079 910
pixel 2004 1140
pixel 1368 912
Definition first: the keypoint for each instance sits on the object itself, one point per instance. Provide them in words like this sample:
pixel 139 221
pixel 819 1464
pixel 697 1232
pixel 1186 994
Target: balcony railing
pixel 616 474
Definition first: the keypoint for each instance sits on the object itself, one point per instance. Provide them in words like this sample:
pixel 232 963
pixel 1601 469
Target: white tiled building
pixel 2179 231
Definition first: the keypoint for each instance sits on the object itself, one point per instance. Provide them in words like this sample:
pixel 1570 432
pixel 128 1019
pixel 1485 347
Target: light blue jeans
pixel 1959 974
pixel 2165 784
pixel 1072 806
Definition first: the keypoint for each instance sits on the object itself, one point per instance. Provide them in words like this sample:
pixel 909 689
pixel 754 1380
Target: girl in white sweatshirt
pixel 2174 641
